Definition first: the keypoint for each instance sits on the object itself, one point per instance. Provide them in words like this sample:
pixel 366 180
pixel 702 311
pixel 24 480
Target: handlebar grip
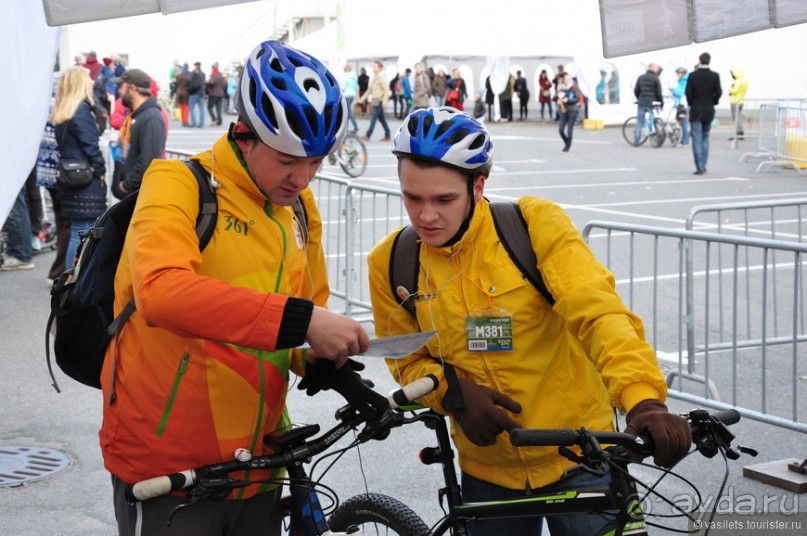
pixel 412 391
pixel 160 485
pixel 523 437
pixel 727 417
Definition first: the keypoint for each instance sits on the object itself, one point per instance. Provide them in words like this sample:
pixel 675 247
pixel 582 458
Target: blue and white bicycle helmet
pixel 445 136
pixel 291 101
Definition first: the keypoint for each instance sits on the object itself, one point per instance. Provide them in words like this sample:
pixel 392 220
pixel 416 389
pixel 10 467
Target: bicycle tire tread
pixel 379 509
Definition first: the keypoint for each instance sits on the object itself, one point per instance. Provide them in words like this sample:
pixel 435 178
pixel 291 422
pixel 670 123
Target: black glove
pixel 323 375
pixel 318 375
pixel 481 420
pixel 671 433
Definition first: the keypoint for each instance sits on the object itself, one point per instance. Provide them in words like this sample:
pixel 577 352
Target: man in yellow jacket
pixel 561 366
pixel 737 91
pixel 201 368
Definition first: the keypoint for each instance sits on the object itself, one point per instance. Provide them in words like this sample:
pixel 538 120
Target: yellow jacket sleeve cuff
pixel 636 392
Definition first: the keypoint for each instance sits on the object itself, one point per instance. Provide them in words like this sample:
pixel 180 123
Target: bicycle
pixel 654 128
pixel 292 448
pixel 371 513
pixel 620 505
pixel 351 155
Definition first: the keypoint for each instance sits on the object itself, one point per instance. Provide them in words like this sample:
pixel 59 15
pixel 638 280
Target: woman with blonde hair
pixel 77 137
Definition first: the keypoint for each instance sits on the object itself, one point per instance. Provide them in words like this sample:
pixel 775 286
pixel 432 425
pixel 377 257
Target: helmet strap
pixel 467 221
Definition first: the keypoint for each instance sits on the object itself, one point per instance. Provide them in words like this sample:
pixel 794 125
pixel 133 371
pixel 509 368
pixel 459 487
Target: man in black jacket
pixel 703 93
pixel 647 91
pixel 144 138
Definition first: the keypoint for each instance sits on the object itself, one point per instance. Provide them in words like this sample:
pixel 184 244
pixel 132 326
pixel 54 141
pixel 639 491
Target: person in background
pixel 568 99
pixel 231 318
pixel 479 107
pixel 457 92
pixel 440 87
pixel 523 93
pixel 703 92
pixel 561 366
pixel 143 133
pixel 183 95
pixel 737 91
pixel 406 84
pixel 215 89
pixel 232 87
pixel 679 92
pixel 545 97
pixel 196 95
pixel 19 253
pixel 364 83
pixel 377 95
pixel 350 88
pixel 647 91
pixel 78 139
pixel 423 88
pixel 506 100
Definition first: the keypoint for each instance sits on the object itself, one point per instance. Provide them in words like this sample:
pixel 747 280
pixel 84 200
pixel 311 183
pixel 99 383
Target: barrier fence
pixel 727 321
pixel 781 130
pixel 725 310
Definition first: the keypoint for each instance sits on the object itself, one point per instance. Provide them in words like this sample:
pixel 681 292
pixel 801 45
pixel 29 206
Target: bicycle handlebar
pixel 162 485
pixel 699 421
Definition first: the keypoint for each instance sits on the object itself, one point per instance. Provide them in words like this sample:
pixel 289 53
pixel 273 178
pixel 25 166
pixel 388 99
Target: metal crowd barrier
pixel 725 333
pixel 782 138
pixel 782 219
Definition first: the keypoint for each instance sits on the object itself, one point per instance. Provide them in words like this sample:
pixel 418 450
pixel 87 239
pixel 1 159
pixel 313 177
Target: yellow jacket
pixel 198 373
pixel 548 370
pixel 738 87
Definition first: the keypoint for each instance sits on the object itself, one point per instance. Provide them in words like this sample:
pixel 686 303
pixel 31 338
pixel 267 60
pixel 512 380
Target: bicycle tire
pixel 352 156
pixel 657 135
pixel 675 135
pixel 628 128
pixel 376 513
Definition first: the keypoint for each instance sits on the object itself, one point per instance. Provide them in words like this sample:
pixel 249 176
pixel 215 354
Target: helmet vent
pixel 268 110
pixel 295 61
pixel 279 83
pixel 329 116
pixel 479 140
pixel 445 125
pixel 276 65
pixel 310 83
pixel 458 136
pixel 330 79
pixel 294 123
pixel 311 118
pixel 428 121
pixel 412 126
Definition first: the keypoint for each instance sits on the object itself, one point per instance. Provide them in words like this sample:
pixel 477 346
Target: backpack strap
pixel 205 226
pixel 515 237
pixel 404 267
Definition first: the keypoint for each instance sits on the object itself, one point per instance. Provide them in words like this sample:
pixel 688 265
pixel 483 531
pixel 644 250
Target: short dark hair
pixel 705 58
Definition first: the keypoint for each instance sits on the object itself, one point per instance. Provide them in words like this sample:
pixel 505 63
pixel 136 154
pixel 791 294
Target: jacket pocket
pixel 183 366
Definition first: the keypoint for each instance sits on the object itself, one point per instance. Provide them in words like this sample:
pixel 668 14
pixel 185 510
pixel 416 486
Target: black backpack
pixel 82 297
pixel 512 231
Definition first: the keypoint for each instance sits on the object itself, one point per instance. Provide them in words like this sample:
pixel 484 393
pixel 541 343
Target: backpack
pixel 512 231
pixel 82 297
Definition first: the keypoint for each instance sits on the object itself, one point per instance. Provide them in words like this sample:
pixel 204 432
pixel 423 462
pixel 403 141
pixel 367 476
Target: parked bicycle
pixel 371 513
pixel 351 155
pixel 654 128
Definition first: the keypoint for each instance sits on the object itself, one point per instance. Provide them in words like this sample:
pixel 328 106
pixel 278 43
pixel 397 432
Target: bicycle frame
pixel 620 500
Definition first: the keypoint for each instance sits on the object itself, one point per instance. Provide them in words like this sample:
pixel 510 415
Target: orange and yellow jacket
pixel 570 364
pixel 198 371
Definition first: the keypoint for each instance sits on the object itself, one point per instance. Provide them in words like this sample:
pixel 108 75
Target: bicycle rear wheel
pixel 628 128
pixel 675 135
pixel 657 134
pixel 377 514
pixel 352 156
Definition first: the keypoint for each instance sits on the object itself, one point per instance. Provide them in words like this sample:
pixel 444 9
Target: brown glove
pixel 671 433
pixel 481 420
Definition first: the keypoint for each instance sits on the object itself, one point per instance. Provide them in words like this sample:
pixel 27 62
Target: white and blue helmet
pixel 291 101
pixel 445 136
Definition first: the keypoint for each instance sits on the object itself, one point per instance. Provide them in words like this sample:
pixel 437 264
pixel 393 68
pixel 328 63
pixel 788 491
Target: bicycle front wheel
pixel 675 135
pixel 628 128
pixel 352 156
pixel 657 134
pixel 379 514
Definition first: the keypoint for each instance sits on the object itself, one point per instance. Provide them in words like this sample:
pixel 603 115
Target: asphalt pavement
pixel 602 177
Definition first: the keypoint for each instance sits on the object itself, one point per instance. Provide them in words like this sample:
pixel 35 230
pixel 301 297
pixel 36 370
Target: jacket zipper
pixel 183 366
